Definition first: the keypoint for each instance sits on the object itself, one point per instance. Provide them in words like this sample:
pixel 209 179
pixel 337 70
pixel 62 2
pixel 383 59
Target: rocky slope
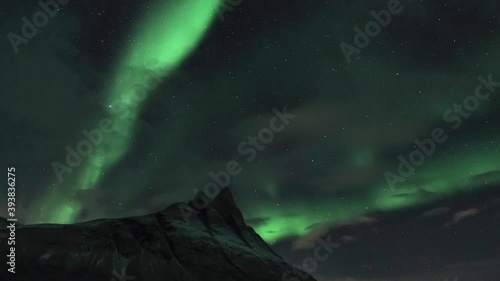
pixel 214 245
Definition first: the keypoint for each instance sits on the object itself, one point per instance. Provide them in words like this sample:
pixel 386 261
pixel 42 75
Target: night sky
pixel 217 78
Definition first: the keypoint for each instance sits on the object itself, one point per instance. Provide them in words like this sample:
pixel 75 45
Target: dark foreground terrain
pixel 214 245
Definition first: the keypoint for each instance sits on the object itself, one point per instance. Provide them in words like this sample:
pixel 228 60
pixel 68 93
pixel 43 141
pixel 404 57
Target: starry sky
pixel 218 74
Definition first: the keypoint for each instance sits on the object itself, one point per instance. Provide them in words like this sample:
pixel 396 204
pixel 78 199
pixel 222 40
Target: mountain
pixel 214 244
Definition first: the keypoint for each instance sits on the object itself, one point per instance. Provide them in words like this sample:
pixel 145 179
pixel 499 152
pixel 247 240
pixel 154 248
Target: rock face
pixel 215 244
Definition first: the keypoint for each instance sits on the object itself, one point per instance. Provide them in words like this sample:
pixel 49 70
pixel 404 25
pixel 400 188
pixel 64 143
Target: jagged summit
pixel 214 244
pixel 223 198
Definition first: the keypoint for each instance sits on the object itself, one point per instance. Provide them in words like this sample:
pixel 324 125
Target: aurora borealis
pixel 161 42
pixel 220 81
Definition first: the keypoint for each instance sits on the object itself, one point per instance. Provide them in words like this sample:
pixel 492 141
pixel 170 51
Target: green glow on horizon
pixel 438 177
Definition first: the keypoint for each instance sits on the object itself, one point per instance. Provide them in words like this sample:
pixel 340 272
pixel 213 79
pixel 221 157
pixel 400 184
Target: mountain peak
pixel 215 245
pixel 223 202
pixel 225 195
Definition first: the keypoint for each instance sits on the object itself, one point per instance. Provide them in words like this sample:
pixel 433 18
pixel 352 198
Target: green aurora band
pixel 168 34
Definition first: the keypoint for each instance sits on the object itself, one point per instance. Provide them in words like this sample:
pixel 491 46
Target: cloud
pixel 308 241
pixel 256 222
pixel 490 177
pixel 348 239
pixel 459 216
pixel 435 212
pixel 366 220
